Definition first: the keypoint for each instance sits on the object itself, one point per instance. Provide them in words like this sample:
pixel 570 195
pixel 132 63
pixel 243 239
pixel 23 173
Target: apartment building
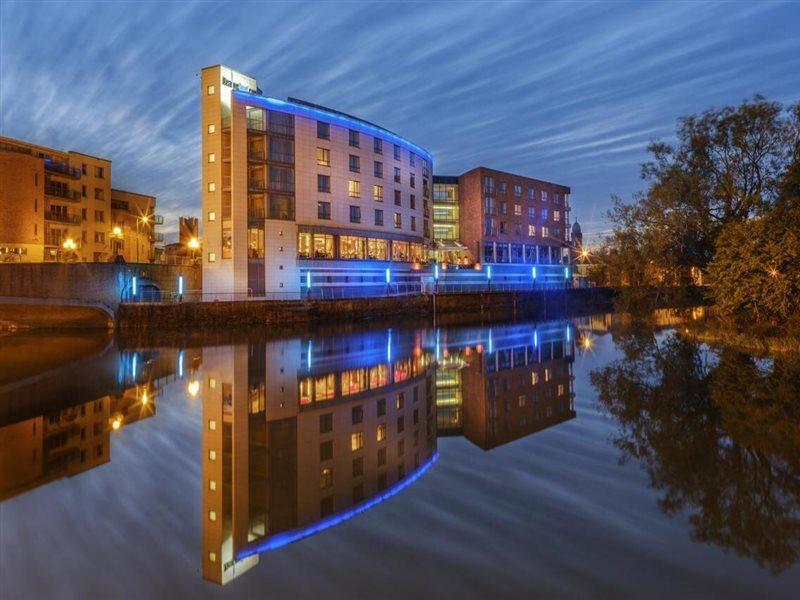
pixel 59 206
pixel 299 198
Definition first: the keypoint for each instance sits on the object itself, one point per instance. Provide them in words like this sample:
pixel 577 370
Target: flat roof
pixel 561 185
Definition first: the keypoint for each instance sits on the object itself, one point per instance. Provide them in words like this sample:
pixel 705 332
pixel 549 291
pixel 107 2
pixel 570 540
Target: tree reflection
pixel 719 434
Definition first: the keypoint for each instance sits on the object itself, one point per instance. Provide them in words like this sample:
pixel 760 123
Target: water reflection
pixel 718 432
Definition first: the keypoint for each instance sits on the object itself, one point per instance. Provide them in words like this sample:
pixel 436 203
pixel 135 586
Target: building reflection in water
pixel 299 435
pixel 498 384
pixel 66 423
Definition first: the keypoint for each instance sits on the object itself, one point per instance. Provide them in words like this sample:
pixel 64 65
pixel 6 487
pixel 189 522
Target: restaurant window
pixel 378 249
pixel 378 376
pixel 400 251
pixel 352 247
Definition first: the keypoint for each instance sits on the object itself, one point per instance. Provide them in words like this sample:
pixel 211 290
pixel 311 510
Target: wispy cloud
pixel 571 92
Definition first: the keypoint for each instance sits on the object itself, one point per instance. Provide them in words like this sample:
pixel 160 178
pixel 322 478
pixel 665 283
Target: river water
pixel 593 457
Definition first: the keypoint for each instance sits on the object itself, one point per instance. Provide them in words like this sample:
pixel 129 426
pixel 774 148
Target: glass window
pixel 323 130
pixel 357 440
pixel 317 245
pixel 355 163
pixel 323 157
pixel 502 187
pixel 323 183
pixel 413 223
pixel 255 242
pixel 518 209
pixel 352 247
pixel 544 196
pixel 355 140
pixel 532 230
pixel 354 188
pixel 381 407
pixel 378 249
pixel 324 388
pixel 397 152
pixel 397 196
pixel 326 478
pixel 412 202
pixel 412 180
pixel 210 90
pixel 355 214
pixel 397 174
pixel 354 381
pixel 377 145
pixel 281 207
pixel 325 448
pixel 379 217
pixel 532 212
pixel 401 251
pixel 517 190
pixel 544 214
pixel 377 193
pixel 324 210
pixel 398 220
pixel 378 169
pixel 380 433
pixel 556 215
pixel 412 159
pixel 417 253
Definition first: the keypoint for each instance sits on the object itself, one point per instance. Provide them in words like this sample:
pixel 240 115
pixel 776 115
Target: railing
pixel 157 237
pixel 256 156
pixel 61 192
pixel 158 219
pixel 50 215
pixel 62 169
pixel 256 126
pixel 281 129
pixel 256 186
pixel 256 212
pixel 281 186
pixel 281 157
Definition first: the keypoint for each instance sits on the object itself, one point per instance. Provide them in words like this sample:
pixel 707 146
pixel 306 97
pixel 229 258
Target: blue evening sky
pixel 569 92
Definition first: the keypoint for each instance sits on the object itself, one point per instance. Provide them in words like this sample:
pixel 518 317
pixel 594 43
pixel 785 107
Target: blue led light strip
pixel 313 113
pixel 283 539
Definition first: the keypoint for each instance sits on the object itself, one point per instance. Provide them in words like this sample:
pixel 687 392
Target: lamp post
pixel 116 233
pixel 144 219
pixel 193 245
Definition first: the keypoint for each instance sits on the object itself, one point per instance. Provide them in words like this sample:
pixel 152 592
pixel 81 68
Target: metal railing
pixel 60 192
pixel 50 215
pixel 62 168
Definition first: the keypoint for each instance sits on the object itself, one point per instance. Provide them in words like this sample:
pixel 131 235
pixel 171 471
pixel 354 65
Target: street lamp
pixel 144 220
pixel 69 245
pixel 193 244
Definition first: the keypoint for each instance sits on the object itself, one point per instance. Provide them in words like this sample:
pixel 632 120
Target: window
pixel 326 423
pixel 381 456
pixel 517 190
pixel 413 223
pixel 212 128
pixel 503 207
pixel 355 214
pixel 326 478
pixel 401 401
pixel 326 450
pixel 212 157
pixel 502 227
pixel 323 157
pixel 351 246
pixel 355 164
pixel 377 193
pixel 377 145
pixel 357 440
pixel 100 216
pixel 83 191
pixel 398 220
pixel 397 198
pixel 210 90
pixel 378 218
pixel 323 130
pixel 324 210
pixel 84 169
pixel 412 159
pixel 531 193
pixel 99 194
pixel 358 466
pixel 544 214
pixel 502 186
pixel 518 209
pixel 532 212
pixel 212 187
pixel 412 180
pixel 545 231
pixel 354 188
pixel 358 493
pixel 401 447
pixel 324 183
pixel 98 172
pixel 99 237
pixel 378 169
pixel 380 432
pixel 531 230
pixel 401 424
pixel 381 407
pixel 396 152
pixel 556 215
pixel 357 414
pixel 378 249
pixel 397 174
pixel 412 202
pixel 212 215
pixel 544 196
pixel 212 257
pixel 355 140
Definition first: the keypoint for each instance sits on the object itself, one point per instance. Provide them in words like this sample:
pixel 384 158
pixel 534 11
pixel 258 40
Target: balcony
pixel 281 186
pixel 157 237
pixel 59 217
pixel 158 219
pixel 281 158
pixel 62 192
pixel 62 169
pixel 256 126
pixel 256 156
pixel 254 185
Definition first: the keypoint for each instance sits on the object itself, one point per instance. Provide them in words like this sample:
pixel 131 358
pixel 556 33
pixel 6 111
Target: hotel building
pixel 302 199
pixel 511 222
pixel 60 206
pixel 299 435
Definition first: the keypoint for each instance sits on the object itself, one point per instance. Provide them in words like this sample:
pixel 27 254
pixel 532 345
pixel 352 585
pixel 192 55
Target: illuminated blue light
pixel 437 346
pixel 133 285
pixel 388 276
pixel 569 333
pixel 489 272
pixel 180 285
pixel 389 346
pixel 308 355
pixel 133 366
pixel 566 272
pixel 289 537
pixel 535 338
pixel 308 280
pixel 339 119
pixel 491 342
pixel 180 364
pixel 436 272
pixel 533 272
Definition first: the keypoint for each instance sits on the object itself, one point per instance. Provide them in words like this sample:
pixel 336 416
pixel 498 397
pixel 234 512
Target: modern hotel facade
pixel 299 199
pixel 59 206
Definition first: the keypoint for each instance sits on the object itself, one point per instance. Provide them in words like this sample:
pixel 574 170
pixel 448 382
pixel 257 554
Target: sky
pixel 570 92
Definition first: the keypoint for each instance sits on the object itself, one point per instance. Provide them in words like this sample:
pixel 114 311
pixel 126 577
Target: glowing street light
pixel 116 423
pixel 117 231
pixel 69 244
pixel 193 244
pixel 193 387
